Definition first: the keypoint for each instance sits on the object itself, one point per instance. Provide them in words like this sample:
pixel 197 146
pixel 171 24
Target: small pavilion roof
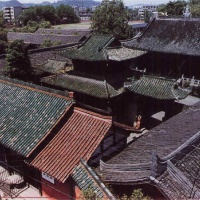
pixel 88 86
pixel 157 87
pixel 78 138
pixel 92 49
pixel 178 36
pixel 28 113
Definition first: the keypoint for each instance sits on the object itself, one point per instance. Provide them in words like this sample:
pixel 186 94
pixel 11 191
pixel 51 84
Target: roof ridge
pixel 93 114
pixel 159 77
pixel 97 180
pixel 173 91
pixel 44 34
pixel 34 87
pixel 106 88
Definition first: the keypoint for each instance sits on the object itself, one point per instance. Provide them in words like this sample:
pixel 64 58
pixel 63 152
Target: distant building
pixel 11 13
pixel 145 8
pixel 138 28
pixel 84 13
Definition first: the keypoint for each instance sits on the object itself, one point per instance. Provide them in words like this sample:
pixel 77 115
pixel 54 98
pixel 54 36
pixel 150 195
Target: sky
pixel 126 2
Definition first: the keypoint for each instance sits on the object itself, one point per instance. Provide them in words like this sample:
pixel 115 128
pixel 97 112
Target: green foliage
pixel 48 43
pixel 3 34
pixel 175 8
pixel 112 18
pixel 49 13
pixel 88 10
pixel 2 20
pixel 45 24
pixel 28 15
pixel 133 14
pixel 38 14
pixel 66 14
pixel 194 2
pixel 18 63
pixel 137 194
pixel 89 194
pixel 162 8
pixel 33 26
pixel 195 10
pixel 147 16
pixel 3 46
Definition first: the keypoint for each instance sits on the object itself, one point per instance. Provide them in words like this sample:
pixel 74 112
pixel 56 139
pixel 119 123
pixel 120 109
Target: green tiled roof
pixel 84 181
pixel 91 50
pixel 157 87
pixel 27 115
pixel 89 86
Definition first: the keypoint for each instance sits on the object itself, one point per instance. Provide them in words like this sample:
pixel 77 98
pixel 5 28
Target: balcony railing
pixel 11 180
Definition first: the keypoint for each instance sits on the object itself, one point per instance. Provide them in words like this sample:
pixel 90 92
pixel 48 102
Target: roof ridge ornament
pixel 187 12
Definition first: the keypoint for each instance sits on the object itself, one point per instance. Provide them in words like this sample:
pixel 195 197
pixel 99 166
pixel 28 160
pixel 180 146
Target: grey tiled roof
pixel 157 87
pixel 170 187
pixel 164 139
pixel 40 58
pixel 79 32
pixel 53 66
pixel 122 53
pixel 89 86
pixel 27 115
pixel 33 38
pixel 188 167
pixel 177 36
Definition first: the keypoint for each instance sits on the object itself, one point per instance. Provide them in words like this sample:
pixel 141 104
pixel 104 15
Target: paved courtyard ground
pixel 85 25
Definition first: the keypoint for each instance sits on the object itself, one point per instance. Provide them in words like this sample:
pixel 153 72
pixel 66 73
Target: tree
pixel 3 40
pixel 195 8
pixel 49 13
pixel 38 14
pixel 162 8
pixel 49 43
pixel 3 34
pixel 194 2
pixel 111 17
pixel 174 8
pixel 18 63
pixel 137 194
pixel 28 15
pixel 89 194
pixel 66 14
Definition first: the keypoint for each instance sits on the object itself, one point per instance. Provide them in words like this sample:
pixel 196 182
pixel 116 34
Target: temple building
pixel 168 72
pixel 100 68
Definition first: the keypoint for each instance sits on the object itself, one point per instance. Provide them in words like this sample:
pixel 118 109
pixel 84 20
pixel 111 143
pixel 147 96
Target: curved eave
pixel 172 96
